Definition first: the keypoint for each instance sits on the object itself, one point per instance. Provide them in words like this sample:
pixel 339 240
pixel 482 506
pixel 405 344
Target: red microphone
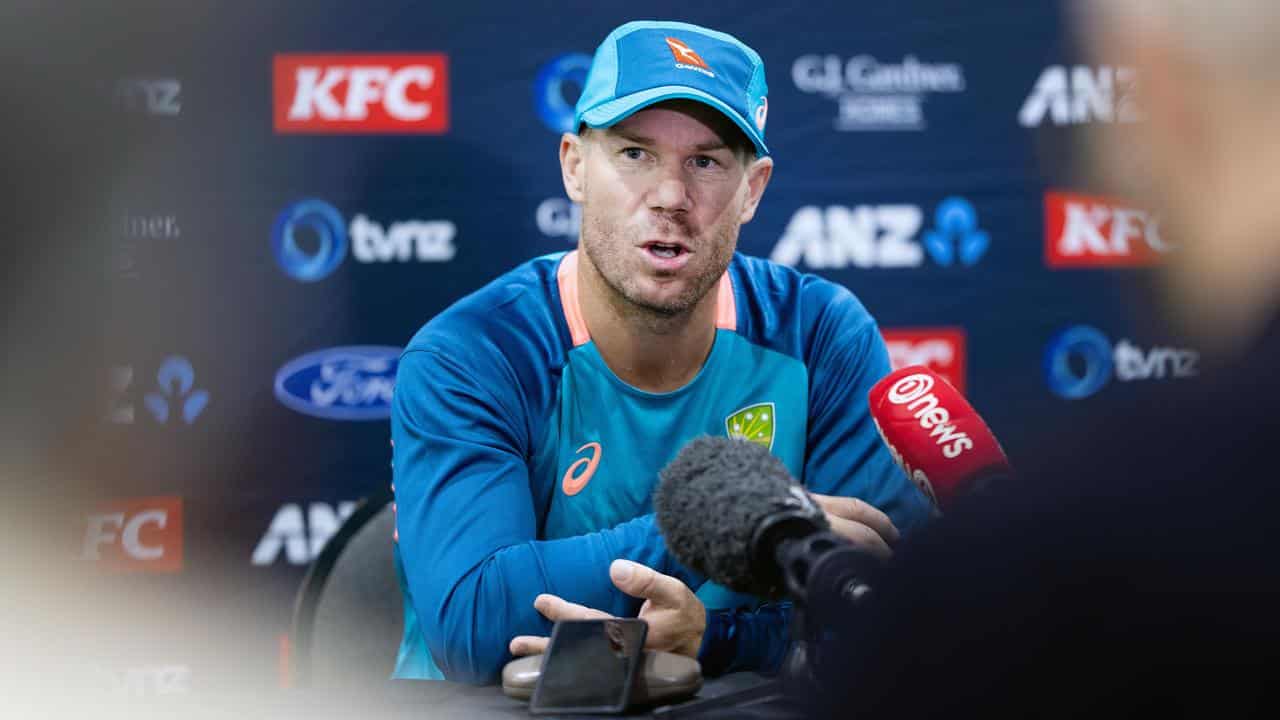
pixel 935 435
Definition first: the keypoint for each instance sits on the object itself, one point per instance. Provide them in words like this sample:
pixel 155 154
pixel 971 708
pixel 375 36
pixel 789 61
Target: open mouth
pixel 666 251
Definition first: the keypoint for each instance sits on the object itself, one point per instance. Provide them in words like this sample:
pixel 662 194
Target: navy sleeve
pixel 746 639
pixel 467 524
pixel 844 453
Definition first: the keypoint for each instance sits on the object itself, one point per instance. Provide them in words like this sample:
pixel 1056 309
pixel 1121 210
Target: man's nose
pixel 670 192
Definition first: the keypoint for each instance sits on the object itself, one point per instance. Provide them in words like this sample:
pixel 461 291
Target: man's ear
pixel 758 174
pixel 572 165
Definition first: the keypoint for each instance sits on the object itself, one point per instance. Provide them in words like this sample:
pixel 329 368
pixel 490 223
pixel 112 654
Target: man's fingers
pixel 858 511
pixel 528 645
pixel 642 581
pixel 555 608
pixel 861 535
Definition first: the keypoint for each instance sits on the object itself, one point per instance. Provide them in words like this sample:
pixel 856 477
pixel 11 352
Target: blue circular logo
pixel 567 72
pixel 331 240
pixel 354 382
pixel 1094 351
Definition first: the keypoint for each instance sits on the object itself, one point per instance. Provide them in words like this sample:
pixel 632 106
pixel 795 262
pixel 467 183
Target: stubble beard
pixel 608 254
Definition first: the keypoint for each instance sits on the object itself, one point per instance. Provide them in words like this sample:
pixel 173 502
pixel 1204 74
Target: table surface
pixel 428 699
pixel 439 700
pixel 388 700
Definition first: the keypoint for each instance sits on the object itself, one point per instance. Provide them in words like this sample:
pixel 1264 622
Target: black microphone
pixel 730 510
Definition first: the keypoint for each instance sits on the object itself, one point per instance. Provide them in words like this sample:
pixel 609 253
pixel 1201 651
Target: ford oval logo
pixel 341 383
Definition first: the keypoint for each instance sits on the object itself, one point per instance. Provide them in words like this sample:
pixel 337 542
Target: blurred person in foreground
pixel 1133 566
pixel 531 418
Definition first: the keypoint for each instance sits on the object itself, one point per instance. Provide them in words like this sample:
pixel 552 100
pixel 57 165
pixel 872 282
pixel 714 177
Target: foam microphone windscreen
pixel 713 497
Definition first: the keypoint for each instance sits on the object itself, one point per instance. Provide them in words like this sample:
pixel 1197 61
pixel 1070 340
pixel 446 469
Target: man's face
pixel 662 196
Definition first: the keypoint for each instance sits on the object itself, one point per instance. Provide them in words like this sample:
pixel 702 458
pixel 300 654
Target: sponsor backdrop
pixel 300 188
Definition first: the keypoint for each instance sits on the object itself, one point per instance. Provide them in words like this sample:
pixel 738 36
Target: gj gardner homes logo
pixel 361 93
pixel 875 94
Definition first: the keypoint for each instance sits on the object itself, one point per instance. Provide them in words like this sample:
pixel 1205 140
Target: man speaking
pixel 531 418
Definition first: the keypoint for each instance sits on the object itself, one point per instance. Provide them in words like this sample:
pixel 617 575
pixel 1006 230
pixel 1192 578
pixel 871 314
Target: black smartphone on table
pixel 590 666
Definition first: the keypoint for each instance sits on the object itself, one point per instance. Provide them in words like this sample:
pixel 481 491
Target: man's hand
pixel 676 617
pixel 553 608
pixel 860 523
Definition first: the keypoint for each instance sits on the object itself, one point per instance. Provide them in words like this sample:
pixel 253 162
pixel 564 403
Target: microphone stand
pixel 822 574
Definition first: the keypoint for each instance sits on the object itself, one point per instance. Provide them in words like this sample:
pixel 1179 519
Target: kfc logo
pixel 942 350
pixel 361 93
pixel 1084 231
pixel 138 535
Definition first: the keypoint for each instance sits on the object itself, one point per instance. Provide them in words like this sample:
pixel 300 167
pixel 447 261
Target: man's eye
pixel 704 162
pixel 632 153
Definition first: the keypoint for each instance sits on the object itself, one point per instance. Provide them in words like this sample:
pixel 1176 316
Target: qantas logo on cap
pixel 361 93
pixel 687 59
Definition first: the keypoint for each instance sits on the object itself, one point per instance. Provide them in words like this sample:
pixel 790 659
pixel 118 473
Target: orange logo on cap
pixel 685 54
pixel 572 484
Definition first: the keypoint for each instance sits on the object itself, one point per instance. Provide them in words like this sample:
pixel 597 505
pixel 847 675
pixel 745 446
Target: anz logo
pixel 175 398
pixel 882 236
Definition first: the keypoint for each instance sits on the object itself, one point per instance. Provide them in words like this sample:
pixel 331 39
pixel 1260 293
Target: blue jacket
pixel 523 465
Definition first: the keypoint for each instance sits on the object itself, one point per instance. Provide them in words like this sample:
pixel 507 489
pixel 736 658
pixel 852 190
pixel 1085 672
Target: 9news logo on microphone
pixel 910 388
pixel 934 434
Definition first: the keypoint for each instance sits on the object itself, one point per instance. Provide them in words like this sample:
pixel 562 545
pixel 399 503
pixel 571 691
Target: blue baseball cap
pixel 645 62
